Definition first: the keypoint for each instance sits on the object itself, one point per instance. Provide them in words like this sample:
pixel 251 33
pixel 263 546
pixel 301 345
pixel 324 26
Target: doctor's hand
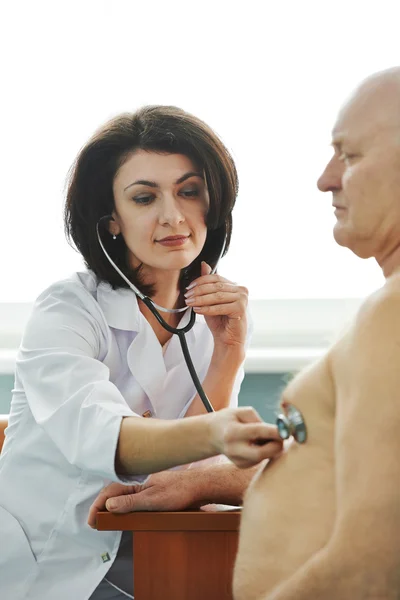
pixel 223 304
pixel 244 437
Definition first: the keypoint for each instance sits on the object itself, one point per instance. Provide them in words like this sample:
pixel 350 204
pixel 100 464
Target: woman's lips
pixel 173 240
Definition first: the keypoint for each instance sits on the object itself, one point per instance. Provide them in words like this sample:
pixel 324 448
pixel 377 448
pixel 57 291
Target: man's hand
pixel 169 490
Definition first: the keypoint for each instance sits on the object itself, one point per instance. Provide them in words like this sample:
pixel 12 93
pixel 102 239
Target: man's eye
pixel 345 156
pixel 144 199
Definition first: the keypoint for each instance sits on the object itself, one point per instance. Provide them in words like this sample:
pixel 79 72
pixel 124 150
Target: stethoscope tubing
pixel 290 424
pixel 179 331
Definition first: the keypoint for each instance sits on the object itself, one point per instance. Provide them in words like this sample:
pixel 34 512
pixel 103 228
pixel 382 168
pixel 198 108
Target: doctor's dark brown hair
pixel 163 129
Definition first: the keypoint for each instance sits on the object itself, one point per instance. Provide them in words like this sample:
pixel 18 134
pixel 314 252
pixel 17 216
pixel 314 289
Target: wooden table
pixel 186 555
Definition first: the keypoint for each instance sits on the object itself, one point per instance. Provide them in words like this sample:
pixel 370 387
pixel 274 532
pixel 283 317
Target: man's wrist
pixel 220 484
pixel 199 486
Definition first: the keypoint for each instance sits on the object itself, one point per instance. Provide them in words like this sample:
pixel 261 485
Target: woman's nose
pixel 170 212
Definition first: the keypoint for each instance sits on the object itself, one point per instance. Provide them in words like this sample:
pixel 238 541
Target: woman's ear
pixel 113 226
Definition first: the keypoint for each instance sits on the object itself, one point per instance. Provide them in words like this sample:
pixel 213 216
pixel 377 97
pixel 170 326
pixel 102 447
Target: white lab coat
pixel 88 358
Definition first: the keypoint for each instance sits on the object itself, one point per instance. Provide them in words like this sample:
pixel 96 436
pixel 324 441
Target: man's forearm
pixel 221 484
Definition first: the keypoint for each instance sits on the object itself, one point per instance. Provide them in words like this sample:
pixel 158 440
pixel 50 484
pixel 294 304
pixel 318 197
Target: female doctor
pixel 158 187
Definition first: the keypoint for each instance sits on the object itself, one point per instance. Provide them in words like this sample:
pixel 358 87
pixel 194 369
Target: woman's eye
pixel 190 193
pixel 143 199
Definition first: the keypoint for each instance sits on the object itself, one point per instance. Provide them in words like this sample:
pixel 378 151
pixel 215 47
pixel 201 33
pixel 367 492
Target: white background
pixel 269 77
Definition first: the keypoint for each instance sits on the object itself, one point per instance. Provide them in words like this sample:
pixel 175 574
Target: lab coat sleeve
pixel 66 384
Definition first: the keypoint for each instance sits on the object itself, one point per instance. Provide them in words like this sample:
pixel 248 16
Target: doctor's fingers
pixel 219 291
pixel 219 285
pixel 229 302
pixel 247 414
pixel 251 433
pixel 204 279
pixel 232 310
pixel 244 456
pixel 248 444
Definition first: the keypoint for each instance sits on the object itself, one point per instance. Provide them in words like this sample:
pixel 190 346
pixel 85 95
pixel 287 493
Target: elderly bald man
pixel 322 521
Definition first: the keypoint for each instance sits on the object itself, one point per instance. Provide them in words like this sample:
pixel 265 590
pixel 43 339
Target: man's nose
pixel 331 178
pixel 170 212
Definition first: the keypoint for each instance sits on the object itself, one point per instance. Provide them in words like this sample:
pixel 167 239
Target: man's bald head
pixel 390 77
pixel 364 173
pixel 375 103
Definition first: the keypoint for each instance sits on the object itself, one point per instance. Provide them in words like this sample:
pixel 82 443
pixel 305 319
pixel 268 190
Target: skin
pixel 145 214
pixel 176 490
pixel 162 195
pixel 322 520
pixel 364 168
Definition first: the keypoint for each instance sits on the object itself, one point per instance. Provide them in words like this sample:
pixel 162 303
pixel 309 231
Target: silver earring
pixel 114 237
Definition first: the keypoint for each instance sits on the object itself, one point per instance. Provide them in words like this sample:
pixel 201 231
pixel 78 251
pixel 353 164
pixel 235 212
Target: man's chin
pixel 344 238
pixel 341 236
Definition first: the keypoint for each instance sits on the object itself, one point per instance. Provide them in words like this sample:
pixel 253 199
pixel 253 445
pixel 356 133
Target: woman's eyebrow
pixel 155 185
pixel 189 174
pixel 143 182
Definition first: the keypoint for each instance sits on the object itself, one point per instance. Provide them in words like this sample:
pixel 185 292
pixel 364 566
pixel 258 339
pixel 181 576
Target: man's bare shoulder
pixel 378 318
pixel 385 297
pixel 372 343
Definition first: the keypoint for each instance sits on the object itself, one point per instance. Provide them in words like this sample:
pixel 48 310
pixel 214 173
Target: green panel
pixel 6 385
pixel 261 390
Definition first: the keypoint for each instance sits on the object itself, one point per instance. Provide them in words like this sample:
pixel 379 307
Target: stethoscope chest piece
pixel 292 424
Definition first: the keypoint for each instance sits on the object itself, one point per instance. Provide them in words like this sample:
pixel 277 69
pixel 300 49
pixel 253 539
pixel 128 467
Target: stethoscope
pixel 291 423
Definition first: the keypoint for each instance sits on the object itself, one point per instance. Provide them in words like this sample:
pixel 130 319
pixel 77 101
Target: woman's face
pixel 161 201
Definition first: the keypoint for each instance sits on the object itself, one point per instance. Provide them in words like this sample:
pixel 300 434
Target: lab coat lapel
pixel 200 344
pixel 173 353
pixel 146 363
pixel 144 357
pixel 154 372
